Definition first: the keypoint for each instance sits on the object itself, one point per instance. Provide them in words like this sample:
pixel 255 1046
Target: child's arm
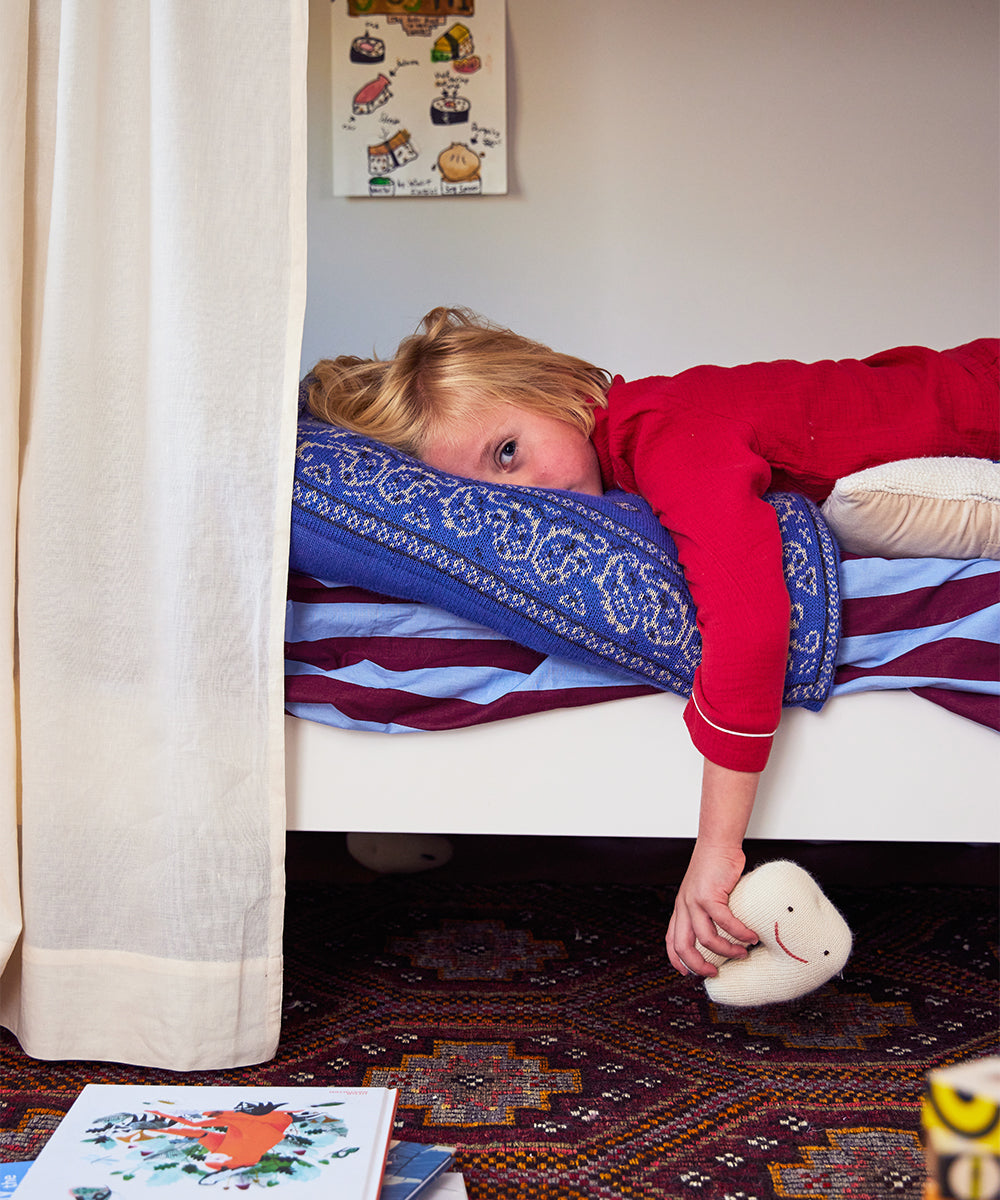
pixel 716 864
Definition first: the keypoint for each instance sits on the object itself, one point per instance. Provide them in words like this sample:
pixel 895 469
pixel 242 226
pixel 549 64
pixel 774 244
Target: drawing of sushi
pixel 449 110
pixel 367 50
pixel 373 95
pixel 387 156
pixel 456 43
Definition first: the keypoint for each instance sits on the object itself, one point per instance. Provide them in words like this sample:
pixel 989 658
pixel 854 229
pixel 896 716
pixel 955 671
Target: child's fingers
pixel 713 940
pixel 680 942
pixel 725 919
pixel 690 926
pixel 692 964
pixel 688 960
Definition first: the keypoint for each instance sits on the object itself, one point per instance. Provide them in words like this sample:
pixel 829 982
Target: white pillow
pixel 919 508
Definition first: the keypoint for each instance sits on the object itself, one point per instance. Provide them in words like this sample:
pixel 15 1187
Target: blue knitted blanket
pixel 591 579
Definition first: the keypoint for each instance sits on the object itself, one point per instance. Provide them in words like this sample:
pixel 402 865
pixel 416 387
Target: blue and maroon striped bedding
pixel 358 660
pixel 927 624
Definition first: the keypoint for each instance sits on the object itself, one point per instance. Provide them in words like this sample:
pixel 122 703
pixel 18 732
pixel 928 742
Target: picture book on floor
pixel 411 1166
pixel 117 1141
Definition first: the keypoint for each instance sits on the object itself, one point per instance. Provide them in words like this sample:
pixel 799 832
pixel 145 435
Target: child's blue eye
pixel 506 453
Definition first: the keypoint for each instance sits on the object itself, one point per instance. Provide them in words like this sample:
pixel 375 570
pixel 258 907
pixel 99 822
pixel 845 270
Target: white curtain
pixel 152 237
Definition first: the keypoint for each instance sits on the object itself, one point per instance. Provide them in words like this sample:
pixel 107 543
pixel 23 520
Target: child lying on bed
pixel 701 447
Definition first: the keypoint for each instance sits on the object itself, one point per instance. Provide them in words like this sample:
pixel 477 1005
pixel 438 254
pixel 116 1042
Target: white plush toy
pixel 399 853
pixel 804 941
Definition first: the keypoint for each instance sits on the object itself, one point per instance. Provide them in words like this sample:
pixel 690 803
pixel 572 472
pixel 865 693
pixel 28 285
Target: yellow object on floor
pixel 961 1121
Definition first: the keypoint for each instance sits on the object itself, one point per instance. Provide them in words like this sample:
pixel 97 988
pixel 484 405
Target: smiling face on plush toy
pixel 804 941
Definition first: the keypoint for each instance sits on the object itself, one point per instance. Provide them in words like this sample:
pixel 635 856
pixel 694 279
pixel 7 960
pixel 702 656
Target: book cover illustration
pixel 411 1166
pixel 116 1141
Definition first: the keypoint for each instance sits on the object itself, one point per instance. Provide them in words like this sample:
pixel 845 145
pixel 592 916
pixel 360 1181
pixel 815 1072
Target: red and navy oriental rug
pixel 540 1029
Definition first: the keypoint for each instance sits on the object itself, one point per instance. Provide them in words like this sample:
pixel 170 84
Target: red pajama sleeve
pixel 704 479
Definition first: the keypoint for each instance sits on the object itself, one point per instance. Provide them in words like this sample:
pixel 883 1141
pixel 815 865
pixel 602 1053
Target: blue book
pixel 410 1166
pixel 11 1175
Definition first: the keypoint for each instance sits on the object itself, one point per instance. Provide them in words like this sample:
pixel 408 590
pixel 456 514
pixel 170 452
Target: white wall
pixel 798 178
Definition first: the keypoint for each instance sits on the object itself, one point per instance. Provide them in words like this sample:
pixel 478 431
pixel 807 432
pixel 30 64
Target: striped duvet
pixel 358 660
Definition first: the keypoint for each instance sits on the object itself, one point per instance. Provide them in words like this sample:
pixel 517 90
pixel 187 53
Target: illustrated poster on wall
pixel 419 98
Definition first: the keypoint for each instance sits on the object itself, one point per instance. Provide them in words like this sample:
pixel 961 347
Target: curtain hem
pixel 230 1011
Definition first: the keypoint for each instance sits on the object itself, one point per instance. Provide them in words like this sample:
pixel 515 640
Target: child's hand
pixel 702 903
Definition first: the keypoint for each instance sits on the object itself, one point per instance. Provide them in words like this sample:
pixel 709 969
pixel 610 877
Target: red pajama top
pixel 703 446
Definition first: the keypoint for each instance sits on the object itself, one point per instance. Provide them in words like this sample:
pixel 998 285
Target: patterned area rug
pixel 540 1029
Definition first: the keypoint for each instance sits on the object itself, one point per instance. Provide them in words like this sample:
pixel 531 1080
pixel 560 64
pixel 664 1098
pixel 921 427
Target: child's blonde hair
pixel 454 366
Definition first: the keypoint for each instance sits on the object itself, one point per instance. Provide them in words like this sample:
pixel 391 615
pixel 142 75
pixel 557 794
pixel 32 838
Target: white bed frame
pixel 879 766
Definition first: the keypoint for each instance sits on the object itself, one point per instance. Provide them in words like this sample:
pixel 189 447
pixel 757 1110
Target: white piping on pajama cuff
pixel 721 729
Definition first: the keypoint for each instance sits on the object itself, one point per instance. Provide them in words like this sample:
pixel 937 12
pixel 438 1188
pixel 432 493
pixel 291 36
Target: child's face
pixel 515 445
